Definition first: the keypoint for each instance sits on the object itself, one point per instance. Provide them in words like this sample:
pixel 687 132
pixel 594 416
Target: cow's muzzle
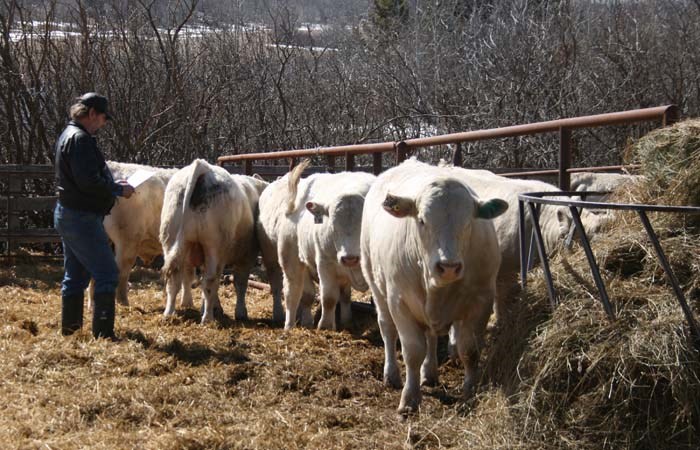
pixel 350 261
pixel 449 271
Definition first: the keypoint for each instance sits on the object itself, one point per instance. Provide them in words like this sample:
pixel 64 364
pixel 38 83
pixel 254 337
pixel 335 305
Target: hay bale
pixel 670 160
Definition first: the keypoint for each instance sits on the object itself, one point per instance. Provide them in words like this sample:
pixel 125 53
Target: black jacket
pixel 83 180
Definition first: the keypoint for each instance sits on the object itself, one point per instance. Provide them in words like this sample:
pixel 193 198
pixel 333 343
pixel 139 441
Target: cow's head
pixel 443 214
pixel 343 217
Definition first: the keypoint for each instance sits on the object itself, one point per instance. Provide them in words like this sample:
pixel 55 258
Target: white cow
pixel 601 182
pixel 133 223
pixel 555 221
pixel 430 256
pixel 208 220
pixel 311 227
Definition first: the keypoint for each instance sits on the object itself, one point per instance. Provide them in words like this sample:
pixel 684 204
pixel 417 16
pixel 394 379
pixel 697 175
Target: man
pixel 86 193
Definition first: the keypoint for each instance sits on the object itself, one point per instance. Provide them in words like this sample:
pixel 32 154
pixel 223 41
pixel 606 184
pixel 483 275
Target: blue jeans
pixel 86 252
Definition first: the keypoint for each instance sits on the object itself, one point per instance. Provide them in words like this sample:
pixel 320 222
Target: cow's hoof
pixel 429 380
pixel 393 380
pixel 406 412
pixel 467 391
pixel 326 326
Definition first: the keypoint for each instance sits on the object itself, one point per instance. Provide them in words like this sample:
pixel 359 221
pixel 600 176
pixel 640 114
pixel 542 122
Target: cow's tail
pixel 293 184
pixel 176 253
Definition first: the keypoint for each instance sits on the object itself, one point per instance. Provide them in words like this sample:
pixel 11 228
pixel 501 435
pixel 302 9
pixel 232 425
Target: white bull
pixel 208 220
pixel 430 256
pixel 311 227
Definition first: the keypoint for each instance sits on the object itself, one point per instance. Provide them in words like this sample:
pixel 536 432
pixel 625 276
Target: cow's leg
pixel 172 287
pixel 210 285
pixel 126 257
pixel 240 282
pixel 345 306
pixel 506 288
pixel 293 282
pixel 392 376
pixel 469 337
pixel 274 276
pixel 187 278
pixel 330 292
pixel 429 369
pixel 306 319
pixel 293 289
pixel 90 293
pixel 413 348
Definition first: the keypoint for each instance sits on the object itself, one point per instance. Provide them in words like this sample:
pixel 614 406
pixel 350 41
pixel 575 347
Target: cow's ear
pixel 399 206
pixel 565 221
pixel 318 210
pixel 491 209
pixel 258 177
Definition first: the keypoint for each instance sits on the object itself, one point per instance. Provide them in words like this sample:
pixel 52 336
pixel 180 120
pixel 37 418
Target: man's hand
pixel 127 189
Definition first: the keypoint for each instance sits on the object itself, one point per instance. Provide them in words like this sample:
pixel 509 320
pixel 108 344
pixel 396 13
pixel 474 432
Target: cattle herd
pixel 437 247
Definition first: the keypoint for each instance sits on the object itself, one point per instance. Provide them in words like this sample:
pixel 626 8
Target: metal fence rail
pixel 532 201
pixel 666 114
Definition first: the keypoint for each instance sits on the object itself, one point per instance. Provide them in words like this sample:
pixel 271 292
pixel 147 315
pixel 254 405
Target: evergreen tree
pixel 388 15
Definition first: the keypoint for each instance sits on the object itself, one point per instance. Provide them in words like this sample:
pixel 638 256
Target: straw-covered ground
pixel 563 379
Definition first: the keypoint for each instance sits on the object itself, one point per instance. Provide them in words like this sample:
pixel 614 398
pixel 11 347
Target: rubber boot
pixel 103 315
pixel 71 314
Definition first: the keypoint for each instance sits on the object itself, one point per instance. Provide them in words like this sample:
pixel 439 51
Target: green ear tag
pixel 493 208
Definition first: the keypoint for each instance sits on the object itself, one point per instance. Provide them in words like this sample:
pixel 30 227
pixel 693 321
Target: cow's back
pixel 138 217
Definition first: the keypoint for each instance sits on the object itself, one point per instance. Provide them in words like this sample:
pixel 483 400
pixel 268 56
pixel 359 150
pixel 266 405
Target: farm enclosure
pixel 567 378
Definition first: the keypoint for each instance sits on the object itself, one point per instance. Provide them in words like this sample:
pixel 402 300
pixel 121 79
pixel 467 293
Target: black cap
pixel 96 101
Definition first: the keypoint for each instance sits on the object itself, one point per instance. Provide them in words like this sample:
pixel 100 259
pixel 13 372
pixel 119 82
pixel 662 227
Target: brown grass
pixel 177 384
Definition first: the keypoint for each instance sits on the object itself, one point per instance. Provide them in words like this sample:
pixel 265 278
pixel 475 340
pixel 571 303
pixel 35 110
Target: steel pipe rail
pixel 667 114
pixel 533 173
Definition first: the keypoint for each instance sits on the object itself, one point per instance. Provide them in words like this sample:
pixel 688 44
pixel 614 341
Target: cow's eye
pixel 421 222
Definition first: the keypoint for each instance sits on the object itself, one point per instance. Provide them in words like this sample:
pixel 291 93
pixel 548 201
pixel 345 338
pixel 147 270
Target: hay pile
pixel 670 159
pixel 584 382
